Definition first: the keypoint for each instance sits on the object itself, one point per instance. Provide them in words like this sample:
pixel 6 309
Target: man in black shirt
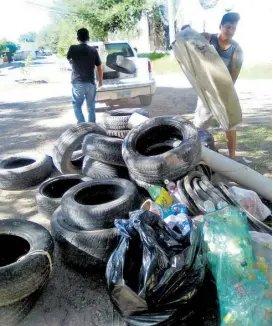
pixel 83 59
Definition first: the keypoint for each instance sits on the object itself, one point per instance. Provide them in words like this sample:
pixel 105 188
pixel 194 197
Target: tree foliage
pixel 28 37
pixel 99 17
pixel 107 15
pixel 12 47
pixel 48 38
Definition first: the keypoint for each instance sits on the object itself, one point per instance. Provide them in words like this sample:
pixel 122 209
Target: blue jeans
pixel 80 92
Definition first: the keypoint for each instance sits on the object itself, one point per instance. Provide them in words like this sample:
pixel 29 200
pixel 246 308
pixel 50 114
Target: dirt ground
pixel 33 116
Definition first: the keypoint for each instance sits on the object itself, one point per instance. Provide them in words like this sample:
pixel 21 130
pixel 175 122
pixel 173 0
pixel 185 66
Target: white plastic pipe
pixel 237 172
pixel 231 169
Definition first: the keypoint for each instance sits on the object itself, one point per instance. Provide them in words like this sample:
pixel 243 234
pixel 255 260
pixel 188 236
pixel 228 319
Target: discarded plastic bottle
pixel 209 206
pixel 172 187
pixel 160 196
pixel 178 208
pixel 181 221
pixel 153 207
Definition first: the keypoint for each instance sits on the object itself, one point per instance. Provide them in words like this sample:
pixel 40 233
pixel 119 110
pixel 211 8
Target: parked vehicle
pixel 125 74
pixel 117 83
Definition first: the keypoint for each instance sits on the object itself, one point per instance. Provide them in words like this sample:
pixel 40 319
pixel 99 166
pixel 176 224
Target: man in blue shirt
pixel 232 55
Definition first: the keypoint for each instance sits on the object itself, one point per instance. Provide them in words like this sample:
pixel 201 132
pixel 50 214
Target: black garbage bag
pixel 155 273
pixel 118 62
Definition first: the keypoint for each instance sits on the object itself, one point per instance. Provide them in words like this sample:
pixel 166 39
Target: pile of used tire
pixel 103 178
pixel 115 122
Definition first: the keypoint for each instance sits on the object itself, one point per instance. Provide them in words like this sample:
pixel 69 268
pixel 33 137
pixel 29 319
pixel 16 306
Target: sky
pixel 19 17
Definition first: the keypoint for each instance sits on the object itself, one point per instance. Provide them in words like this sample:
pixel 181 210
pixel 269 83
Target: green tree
pixel 107 15
pixel 12 47
pixel 28 37
pixel 48 37
pixel 100 17
pixel 68 32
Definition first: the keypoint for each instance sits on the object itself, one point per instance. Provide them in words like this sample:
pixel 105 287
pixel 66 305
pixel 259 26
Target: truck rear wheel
pixel 145 100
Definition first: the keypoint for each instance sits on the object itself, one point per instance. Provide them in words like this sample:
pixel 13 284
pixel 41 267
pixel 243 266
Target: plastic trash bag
pixel 262 247
pixel 243 290
pixel 207 139
pixel 250 201
pixel 155 274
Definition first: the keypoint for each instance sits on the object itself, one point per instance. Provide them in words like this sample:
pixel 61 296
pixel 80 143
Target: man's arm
pixel 69 54
pixel 100 74
pixel 99 68
pixel 236 63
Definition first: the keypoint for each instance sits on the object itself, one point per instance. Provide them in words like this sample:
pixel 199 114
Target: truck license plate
pixel 124 94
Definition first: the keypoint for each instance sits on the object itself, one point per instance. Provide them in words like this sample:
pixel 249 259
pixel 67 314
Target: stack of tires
pixel 86 203
pixel 103 153
pixel 103 157
pixel 68 159
pixel 83 225
pixel 115 122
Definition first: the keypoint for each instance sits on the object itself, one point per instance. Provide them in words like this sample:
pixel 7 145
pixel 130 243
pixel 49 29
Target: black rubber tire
pixel 99 170
pixel 168 162
pixel 117 133
pixel 69 142
pixel 15 313
pixel 118 119
pixel 95 204
pixel 77 158
pixel 24 170
pixel 139 183
pixel 50 192
pixel 83 248
pixel 104 149
pixel 26 266
pixel 145 100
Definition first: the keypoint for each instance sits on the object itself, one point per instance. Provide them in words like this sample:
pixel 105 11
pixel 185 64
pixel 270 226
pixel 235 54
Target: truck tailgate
pixel 113 85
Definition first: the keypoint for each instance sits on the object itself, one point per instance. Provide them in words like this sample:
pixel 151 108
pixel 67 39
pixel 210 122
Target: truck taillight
pixel 149 66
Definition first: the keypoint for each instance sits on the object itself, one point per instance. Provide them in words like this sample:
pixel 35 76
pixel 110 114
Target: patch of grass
pixel 255 143
pixel 164 63
pixel 255 136
pixel 261 70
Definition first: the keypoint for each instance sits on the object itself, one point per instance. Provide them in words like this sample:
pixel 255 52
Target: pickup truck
pixel 120 85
